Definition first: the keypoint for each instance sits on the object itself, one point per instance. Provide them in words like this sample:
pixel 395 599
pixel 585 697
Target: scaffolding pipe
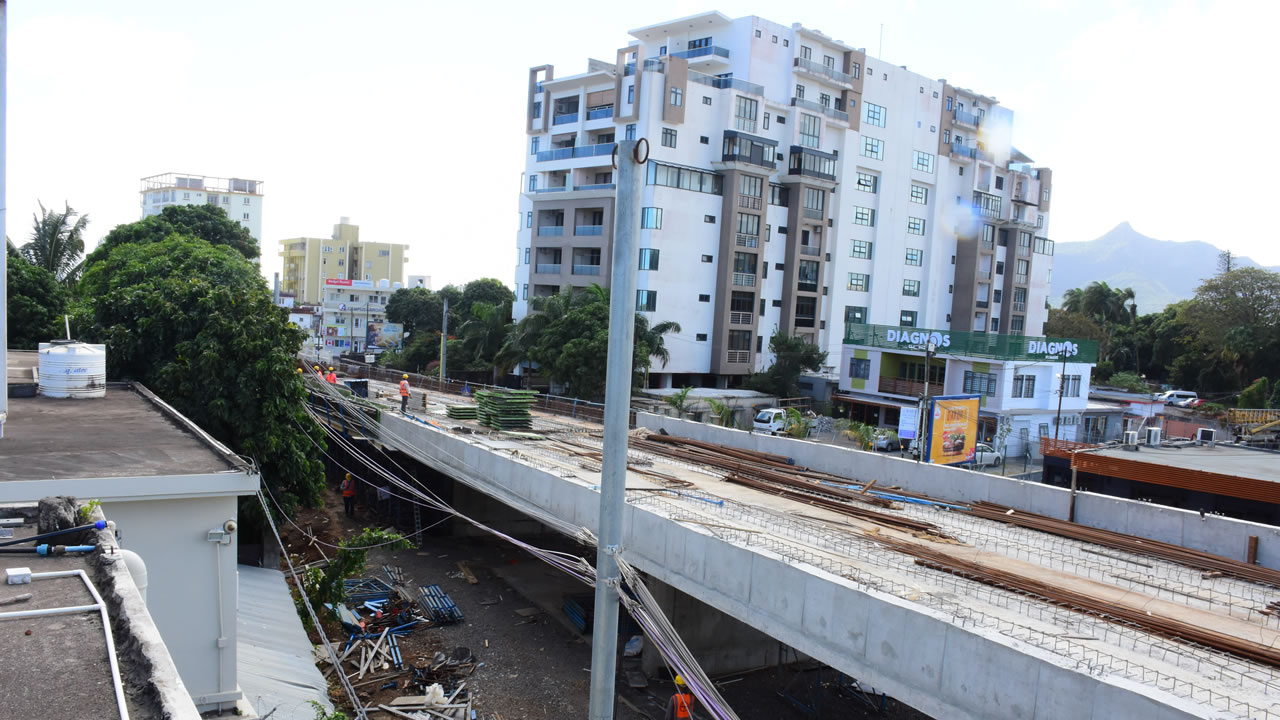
pixel 617 404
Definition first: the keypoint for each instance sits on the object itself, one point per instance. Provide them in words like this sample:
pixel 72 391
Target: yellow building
pixel 308 262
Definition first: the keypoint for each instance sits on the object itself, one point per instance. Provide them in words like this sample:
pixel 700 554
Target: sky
pixel 408 117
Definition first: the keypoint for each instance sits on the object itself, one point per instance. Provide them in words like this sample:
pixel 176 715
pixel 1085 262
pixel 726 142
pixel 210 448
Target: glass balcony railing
pixel 600 113
pixel 963 117
pixel 551 231
pixel 1020 279
pixel 1019 306
pixel 560 188
pixel 812 250
pixel 581 151
pixel 565 119
pixel 588 230
pixel 963 151
pixel 840 115
pixel 586 269
pixel 597 186
pixel 713 51
pixel 820 69
pixel 722 83
pixel 547 268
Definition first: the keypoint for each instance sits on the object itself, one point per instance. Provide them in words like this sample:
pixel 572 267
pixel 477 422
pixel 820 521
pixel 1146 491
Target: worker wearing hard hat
pixel 681 705
pixel 404 393
pixel 332 377
pixel 316 368
pixel 348 488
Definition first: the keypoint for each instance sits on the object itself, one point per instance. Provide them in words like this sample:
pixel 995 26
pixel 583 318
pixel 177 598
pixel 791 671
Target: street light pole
pixel 922 421
pixel 444 337
pixel 1062 390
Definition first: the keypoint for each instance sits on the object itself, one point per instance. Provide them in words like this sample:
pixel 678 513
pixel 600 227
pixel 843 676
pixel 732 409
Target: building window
pixel 915 226
pixel 919 194
pixel 745 263
pixel 1071 386
pixel 861 249
pixel 707 259
pixel 859 282
pixel 923 161
pixel 646 301
pixel 630 133
pixel 668 137
pixel 873 148
pixel 744 114
pixel 704 298
pixel 1024 386
pixel 907 318
pixel 995 324
pixel 526 255
pixel 800 91
pixel 815 199
pixel 779 195
pixel 873 114
pixel 528 219
pixel 950 103
pixel 701 337
pixel 683 178
pixel 1016 325
pixel 911 288
pixel 524 292
pixel 855 70
pixel 859 368
pixel 758 34
pixel 246 216
pixel 775 39
pixel 709 219
pixel 533 146
pixel 979 383
pixel 824 100
pixel 631 94
pixel 868 182
pixel 649 258
pixel 533 183
pixel 864 216
pixel 855 315
pixel 749 225
pixel 810 130
pixel 1043 246
pixel 915 256
pixel 806 52
pixel 246 201
pixel 677 96
pixel 999 183
pixel 651 218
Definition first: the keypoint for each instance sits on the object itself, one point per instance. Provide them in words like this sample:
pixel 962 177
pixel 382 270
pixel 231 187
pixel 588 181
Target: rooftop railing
pixel 823 70
pixel 712 50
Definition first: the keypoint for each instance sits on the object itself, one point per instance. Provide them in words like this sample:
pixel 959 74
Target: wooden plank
pixel 466 572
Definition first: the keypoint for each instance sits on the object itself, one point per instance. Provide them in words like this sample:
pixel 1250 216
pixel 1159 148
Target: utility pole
pixel 1062 389
pixel 444 337
pixel 630 157
pixel 4 257
pixel 923 422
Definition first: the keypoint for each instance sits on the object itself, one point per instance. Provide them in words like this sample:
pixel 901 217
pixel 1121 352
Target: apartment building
pixel 348 309
pixel 793 183
pixel 241 199
pixel 310 262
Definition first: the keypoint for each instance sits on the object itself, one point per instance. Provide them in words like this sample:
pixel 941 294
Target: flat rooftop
pixel 128 433
pixel 1220 459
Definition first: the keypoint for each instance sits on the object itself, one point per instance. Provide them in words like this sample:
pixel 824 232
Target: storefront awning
pixel 867 399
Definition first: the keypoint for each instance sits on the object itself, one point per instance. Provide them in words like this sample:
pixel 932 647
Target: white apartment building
pixel 349 308
pixel 794 183
pixel 241 199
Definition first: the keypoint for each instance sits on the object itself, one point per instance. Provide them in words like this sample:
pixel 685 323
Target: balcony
pixel 899 386
pixel 823 72
pixel 597 186
pixel 750 241
pixel 1020 279
pixel 588 230
pixel 740 318
pixel 962 151
pixel 812 214
pixel 551 231
pixel 600 113
pixel 547 268
pixel 561 188
pixel 967 119
pixel 586 269
pixel 988 245
pixel 832 113
pixel 983 304
pixel 812 250
pixel 583 151
pixel 565 119
pixel 986 205
pixel 1024 251
pixel 744 279
pixel 750 203
pixel 984 274
pixel 720 83
pixel 738 356
pixel 712 53
pixel 807 162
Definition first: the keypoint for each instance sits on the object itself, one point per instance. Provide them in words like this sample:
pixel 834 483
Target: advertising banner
pixel 908 423
pixel 383 335
pixel 953 429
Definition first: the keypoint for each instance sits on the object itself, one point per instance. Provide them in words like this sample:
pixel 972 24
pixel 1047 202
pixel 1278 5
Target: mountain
pixel 1159 271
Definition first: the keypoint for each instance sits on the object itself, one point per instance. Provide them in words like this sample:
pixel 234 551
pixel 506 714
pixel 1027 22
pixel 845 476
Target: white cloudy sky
pixel 408 116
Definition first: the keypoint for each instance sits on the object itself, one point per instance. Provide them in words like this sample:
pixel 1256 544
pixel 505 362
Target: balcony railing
pixel 564 119
pixel 600 113
pixel 813 250
pixel 597 186
pixel 738 356
pixel 984 274
pixel 961 150
pixel 720 83
pixel 744 279
pixel 750 203
pixel 840 115
pixel 1020 279
pixel 1024 251
pixel 811 214
pixel 820 69
pixel 1019 306
pixel 740 318
pixel 583 151
pixel 712 50
pixel 551 230
pixel 586 269
pixel 984 304
pixel 588 230
pixel 899 386
pixel 963 117
pixel 547 268
pixel 988 245
pixel 560 188
pixel 750 241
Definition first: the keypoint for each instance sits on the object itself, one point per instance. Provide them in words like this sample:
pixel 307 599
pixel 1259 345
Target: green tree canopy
pixel 207 222
pixel 419 309
pixel 792 356
pixel 36 303
pixel 196 324
pixel 57 243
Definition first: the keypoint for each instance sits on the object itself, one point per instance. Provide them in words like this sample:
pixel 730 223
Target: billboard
pixel 953 429
pixel 383 335
pixel 355 284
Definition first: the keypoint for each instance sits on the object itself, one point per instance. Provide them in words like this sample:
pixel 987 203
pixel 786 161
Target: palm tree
pixel 483 336
pixel 652 337
pixel 680 401
pixel 57 243
pixel 1073 300
pixel 722 411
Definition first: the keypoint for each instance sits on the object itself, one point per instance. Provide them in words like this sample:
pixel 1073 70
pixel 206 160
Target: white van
pixel 1173 397
pixel 770 420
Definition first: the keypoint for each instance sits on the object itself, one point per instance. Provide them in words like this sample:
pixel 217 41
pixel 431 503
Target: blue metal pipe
pixel 99 525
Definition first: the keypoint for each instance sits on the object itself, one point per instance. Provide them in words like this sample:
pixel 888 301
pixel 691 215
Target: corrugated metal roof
pixel 273 655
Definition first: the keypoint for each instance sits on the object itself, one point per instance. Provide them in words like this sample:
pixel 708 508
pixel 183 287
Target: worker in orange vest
pixel 332 377
pixel 404 392
pixel 348 488
pixel 681 705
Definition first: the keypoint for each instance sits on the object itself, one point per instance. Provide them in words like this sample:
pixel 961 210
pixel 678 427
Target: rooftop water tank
pixel 70 369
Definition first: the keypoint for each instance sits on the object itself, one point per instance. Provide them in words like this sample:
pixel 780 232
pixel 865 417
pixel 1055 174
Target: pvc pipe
pixel 45 612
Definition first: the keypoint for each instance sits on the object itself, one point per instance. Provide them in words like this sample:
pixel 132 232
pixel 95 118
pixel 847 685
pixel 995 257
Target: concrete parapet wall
pixel 910 652
pixel 1215 534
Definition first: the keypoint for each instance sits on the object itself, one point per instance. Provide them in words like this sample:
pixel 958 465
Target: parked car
pixel 1190 404
pixel 888 441
pixel 984 455
pixel 770 420
pixel 1174 397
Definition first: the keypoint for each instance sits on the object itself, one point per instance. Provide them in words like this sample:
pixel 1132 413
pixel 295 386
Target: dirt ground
pixel 531 662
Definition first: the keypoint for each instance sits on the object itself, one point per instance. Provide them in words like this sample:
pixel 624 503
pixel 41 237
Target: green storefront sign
pixel 972 344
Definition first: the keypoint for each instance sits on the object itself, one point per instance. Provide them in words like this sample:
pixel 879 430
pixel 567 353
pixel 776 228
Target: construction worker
pixel 332 377
pixel 681 705
pixel 348 488
pixel 404 392
pixel 316 368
